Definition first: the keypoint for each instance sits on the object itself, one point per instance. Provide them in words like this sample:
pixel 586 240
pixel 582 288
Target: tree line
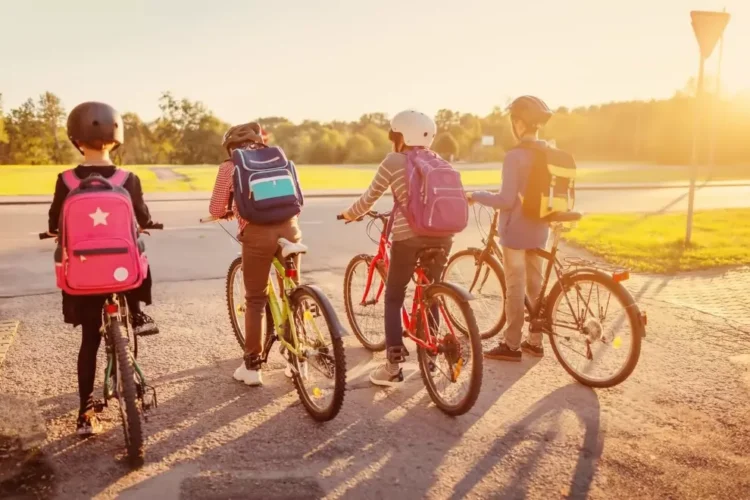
pixel 186 132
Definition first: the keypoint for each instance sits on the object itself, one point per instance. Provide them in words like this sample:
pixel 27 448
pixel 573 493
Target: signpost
pixel 708 28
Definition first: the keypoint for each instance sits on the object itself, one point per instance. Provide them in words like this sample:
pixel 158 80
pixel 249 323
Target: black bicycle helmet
pixel 531 110
pixel 242 134
pixel 95 124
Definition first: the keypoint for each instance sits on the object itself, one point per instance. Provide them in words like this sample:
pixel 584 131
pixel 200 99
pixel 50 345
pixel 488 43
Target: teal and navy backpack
pixel 266 188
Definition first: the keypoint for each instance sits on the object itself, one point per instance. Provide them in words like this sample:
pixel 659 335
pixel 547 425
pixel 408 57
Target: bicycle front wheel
pixel 320 377
pixel 235 289
pixel 595 329
pixel 365 314
pixel 127 395
pixel 453 374
pixel 484 278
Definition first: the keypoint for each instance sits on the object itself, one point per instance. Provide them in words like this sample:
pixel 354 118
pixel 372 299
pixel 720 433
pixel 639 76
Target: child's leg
pixel 90 341
pixel 143 324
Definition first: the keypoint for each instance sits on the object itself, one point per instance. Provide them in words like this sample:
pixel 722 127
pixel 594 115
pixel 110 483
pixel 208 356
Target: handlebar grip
pixel 156 225
pixel 340 217
pixel 46 236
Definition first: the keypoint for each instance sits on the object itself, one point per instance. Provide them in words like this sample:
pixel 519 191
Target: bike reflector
pixel 291 273
pixel 111 308
pixel 619 276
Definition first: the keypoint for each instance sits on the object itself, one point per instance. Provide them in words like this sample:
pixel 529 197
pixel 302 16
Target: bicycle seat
pixel 288 248
pixel 430 253
pixel 564 217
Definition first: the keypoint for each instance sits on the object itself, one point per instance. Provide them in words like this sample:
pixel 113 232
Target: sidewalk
pixel 352 193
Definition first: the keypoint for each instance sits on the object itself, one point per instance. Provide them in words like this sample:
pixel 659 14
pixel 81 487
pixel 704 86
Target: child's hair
pixel 95 125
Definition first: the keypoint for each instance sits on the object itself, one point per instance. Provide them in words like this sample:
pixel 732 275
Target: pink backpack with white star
pixel 98 249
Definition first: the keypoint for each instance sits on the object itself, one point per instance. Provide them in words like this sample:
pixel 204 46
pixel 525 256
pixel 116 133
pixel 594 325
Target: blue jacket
pixel 515 229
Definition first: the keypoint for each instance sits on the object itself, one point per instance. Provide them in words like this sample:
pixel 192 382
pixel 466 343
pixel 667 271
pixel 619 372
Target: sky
pixel 326 59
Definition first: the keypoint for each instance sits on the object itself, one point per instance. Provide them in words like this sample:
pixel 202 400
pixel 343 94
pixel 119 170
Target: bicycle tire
pixel 630 307
pixel 127 396
pixel 349 306
pixel 496 267
pixel 235 270
pixel 477 361
pixel 339 359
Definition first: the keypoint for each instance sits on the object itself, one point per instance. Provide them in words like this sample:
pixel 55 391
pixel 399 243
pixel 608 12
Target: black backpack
pixel 551 185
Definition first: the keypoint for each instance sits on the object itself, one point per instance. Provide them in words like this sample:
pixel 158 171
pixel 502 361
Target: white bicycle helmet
pixel 417 128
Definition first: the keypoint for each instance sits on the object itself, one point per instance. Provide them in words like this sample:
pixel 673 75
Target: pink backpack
pixel 436 203
pixel 99 237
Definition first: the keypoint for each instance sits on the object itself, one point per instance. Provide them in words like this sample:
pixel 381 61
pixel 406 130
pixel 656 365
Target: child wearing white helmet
pixel 409 130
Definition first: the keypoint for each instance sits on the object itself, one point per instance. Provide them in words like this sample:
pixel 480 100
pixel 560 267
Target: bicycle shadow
pixel 584 403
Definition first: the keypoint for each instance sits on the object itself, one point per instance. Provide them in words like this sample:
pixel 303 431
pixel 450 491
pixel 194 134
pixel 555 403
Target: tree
pixel 3 134
pixel 445 119
pixel 359 149
pixel 380 120
pixel 446 145
pixel 51 115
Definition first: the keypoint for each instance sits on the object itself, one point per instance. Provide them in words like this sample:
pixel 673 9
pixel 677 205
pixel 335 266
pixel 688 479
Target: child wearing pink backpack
pixel 96 129
pixel 430 207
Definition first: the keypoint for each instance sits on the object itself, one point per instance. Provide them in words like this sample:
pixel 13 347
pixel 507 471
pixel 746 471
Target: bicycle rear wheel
pixel 484 278
pixel 320 377
pixel 595 329
pixel 453 375
pixel 365 319
pixel 127 395
pixel 235 288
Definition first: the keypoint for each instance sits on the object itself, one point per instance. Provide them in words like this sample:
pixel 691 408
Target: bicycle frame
pixel 492 248
pixel 280 311
pixel 409 321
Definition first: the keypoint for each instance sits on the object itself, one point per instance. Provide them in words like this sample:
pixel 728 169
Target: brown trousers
pixel 259 246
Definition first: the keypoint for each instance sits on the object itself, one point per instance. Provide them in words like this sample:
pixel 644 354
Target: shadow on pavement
pixel 577 398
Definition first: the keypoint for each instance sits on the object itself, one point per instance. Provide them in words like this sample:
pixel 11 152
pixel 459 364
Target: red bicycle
pixel 450 358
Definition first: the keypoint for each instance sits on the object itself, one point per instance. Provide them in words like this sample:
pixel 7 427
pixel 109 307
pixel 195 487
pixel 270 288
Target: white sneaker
pixel 387 375
pixel 248 377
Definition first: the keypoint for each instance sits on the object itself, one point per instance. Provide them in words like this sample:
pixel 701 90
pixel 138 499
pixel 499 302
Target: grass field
pixel 656 243
pixel 18 180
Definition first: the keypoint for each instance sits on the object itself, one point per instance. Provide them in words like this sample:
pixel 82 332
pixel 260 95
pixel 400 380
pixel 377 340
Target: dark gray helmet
pixel 531 110
pixel 95 123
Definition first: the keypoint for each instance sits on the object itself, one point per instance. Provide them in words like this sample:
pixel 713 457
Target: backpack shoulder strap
pixel 119 177
pixel 70 179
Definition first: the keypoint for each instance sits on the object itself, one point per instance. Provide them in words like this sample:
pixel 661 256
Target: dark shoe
pixel 88 424
pixel 532 350
pixel 503 353
pixel 143 324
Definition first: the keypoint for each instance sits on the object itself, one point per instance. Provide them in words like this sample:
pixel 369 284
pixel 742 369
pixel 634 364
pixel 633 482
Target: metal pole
pixel 694 162
pixel 716 101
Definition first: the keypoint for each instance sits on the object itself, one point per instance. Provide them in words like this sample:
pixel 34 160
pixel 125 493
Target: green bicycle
pixel 303 321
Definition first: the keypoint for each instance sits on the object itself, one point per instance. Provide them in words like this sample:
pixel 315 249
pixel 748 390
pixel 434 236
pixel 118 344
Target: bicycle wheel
pixel 452 376
pixel 596 339
pixel 320 377
pixel 366 320
pixel 127 395
pixel 235 289
pixel 487 287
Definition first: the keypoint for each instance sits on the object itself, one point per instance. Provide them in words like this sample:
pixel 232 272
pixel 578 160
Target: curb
pixel 206 196
pixel 8 330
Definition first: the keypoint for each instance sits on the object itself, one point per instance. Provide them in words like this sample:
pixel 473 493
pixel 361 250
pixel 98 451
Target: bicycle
pixel 291 314
pixel 123 377
pixel 429 298
pixel 577 315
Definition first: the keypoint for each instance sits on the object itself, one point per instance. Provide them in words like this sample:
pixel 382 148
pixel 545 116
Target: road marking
pixel 8 331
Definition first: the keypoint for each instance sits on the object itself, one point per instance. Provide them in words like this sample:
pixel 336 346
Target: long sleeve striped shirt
pixel 391 173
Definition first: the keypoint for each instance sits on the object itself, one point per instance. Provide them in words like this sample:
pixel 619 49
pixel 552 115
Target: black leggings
pixel 91 322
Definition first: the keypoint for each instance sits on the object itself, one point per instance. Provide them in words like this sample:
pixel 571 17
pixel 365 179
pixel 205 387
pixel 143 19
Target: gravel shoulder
pixel 677 428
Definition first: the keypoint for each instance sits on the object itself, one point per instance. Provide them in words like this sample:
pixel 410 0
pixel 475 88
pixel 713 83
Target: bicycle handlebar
pixel 372 213
pixel 211 218
pixel 156 226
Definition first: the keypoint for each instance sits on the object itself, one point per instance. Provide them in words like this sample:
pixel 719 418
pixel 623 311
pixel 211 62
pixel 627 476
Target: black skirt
pixel 77 307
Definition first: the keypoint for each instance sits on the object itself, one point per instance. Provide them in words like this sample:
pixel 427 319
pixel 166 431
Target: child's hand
pixel 344 216
pixel 469 198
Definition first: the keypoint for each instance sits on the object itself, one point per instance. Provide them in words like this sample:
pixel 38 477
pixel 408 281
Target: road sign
pixel 488 140
pixel 708 27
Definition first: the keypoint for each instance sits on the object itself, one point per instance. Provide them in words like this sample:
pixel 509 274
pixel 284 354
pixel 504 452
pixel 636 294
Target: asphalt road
pixel 188 250
pixel 677 428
